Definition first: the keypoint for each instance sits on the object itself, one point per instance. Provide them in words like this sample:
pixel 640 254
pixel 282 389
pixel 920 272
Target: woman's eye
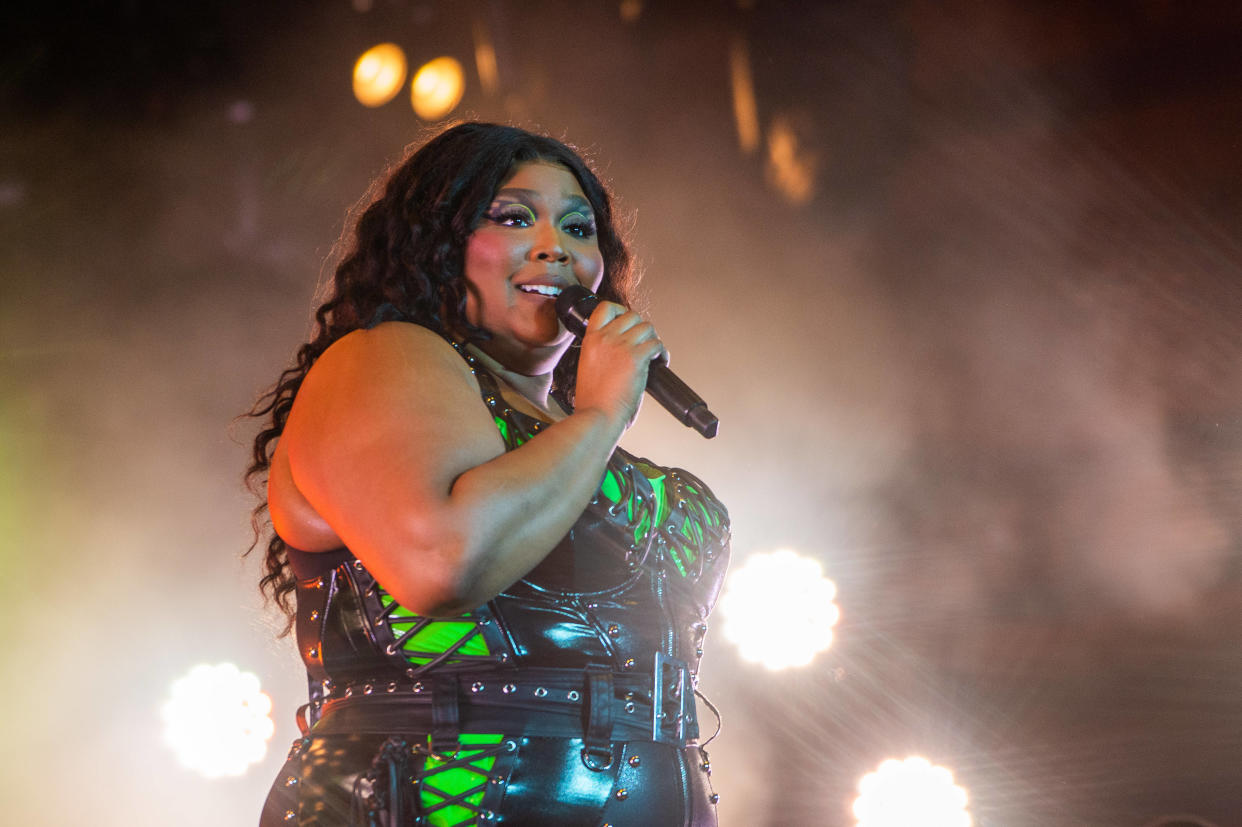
pixel 578 225
pixel 513 215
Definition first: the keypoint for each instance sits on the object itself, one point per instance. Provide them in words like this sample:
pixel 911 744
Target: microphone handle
pixel 575 306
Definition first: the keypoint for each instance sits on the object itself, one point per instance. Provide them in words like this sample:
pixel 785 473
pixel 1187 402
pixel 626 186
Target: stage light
pixel 437 88
pixel 778 609
pixel 631 10
pixel 379 74
pixel 217 721
pixel 745 110
pixel 791 168
pixel 901 793
pixel 485 59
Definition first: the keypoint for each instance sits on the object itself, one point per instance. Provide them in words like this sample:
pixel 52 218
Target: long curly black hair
pixel 403 258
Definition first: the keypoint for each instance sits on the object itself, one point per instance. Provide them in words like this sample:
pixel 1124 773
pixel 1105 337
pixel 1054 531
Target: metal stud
pixel 635 761
pixel 483 621
pixel 314 615
pixel 622 794
pixel 290 781
pixel 628 664
pixel 540 692
pixel 613 630
pixel 714 797
pixel 290 815
pixel 314 652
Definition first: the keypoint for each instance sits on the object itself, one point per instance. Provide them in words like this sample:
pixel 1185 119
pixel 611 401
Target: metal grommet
pixel 392 687
pixel 629 707
pixel 540 692
pixel 573 695
pixel 477 687
pixel 391 648
pixel 349 691
pixel 366 690
pixel 358 565
pixel 418 687
pixel 508 689
pixel 511 745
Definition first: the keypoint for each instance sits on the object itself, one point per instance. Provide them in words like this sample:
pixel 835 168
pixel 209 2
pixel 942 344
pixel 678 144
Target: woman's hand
pixel 617 350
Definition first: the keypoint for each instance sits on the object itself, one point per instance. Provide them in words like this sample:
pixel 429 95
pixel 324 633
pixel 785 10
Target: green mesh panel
pixel 447 776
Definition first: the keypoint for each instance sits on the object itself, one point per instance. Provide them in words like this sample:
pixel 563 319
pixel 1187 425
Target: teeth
pixel 541 289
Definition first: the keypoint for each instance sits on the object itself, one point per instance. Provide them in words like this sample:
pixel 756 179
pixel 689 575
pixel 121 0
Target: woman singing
pixel 501 612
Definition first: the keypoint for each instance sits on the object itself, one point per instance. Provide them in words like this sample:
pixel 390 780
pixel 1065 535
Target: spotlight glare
pixel 778 609
pixel 900 793
pixel 437 88
pixel 216 720
pixel 379 74
pixel 745 110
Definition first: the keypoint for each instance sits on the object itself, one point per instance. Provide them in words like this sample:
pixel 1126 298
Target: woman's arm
pixel 390 444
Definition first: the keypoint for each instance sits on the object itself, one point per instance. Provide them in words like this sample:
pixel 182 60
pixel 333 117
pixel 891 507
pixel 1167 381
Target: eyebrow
pixel 572 202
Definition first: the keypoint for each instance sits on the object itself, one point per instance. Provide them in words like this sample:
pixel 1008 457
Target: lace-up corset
pixel 631 584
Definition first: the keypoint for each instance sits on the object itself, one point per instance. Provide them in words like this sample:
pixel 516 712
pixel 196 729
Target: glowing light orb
pixel 901 793
pixel 778 609
pixel 437 88
pixel 379 74
pixel 216 720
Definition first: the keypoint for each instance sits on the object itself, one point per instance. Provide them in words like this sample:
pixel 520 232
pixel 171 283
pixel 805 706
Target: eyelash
pixel 520 216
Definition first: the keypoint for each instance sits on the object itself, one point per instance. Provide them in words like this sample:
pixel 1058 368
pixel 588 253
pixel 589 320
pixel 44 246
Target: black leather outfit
pixel 568 699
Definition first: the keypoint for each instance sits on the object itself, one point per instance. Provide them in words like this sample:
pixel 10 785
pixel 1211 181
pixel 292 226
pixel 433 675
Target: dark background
pixel 983 365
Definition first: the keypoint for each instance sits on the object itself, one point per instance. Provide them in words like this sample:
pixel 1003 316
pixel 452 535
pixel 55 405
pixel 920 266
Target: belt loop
pixel 597 726
pixel 445 715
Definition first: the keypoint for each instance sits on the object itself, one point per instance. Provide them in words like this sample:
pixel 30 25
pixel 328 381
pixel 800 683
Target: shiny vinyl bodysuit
pixel 568 699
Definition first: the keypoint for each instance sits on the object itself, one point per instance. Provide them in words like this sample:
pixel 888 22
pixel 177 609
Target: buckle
pixel 671 704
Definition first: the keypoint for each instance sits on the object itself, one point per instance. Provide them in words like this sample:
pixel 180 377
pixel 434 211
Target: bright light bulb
pixel 437 88
pixel 217 720
pixel 778 609
pixel 901 793
pixel 379 74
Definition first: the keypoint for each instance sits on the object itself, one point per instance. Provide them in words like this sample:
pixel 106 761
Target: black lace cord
pixel 420 623
pixel 389 770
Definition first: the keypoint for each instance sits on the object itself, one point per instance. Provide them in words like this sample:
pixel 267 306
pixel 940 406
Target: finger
pixel 604 313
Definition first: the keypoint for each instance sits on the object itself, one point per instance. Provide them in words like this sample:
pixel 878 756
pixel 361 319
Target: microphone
pixel 574 306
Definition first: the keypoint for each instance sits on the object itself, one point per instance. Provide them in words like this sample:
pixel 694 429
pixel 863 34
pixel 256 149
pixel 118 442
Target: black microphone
pixel 575 304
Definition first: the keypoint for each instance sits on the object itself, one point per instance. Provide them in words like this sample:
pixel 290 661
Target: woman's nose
pixel 548 246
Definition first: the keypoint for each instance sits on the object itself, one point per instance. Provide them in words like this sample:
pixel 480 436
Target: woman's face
pixel 536 238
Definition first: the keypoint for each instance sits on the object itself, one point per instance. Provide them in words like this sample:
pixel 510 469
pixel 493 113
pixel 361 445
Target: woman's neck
pixel 535 389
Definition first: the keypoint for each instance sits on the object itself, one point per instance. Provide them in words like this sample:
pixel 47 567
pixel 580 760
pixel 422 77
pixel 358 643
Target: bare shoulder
pixel 393 401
